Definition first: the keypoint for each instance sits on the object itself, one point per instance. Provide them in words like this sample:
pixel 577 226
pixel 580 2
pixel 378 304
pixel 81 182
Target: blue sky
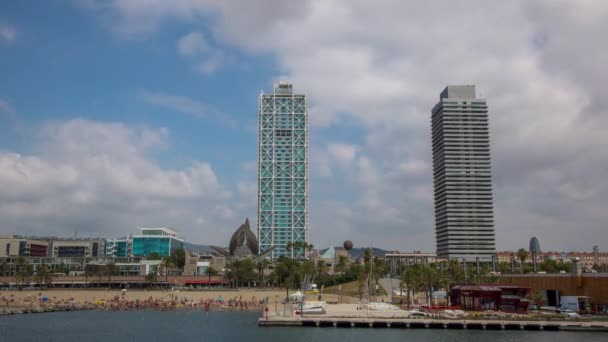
pixel 120 113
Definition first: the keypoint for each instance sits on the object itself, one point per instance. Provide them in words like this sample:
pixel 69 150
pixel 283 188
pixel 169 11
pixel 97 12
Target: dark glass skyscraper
pixel 464 218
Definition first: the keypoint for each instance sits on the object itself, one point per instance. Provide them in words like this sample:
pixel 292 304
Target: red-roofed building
pixel 508 298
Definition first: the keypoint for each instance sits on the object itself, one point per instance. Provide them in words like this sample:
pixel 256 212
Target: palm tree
pixel 24 271
pixel 537 297
pixel 110 270
pixel 342 263
pixel 411 279
pixel 431 280
pixel 4 268
pixel 211 272
pixel 321 268
pixel 41 275
pixel 168 264
pixel 152 276
pixel 262 265
pixel 522 255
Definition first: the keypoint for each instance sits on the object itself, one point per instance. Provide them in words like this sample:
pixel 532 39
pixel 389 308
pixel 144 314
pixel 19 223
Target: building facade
pixel 15 246
pixel 72 248
pixel 118 248
pixel 464 218
pixel 162 241
pixel 283 172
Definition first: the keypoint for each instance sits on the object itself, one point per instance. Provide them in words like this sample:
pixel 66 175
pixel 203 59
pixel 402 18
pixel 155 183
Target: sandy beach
pixel 25 298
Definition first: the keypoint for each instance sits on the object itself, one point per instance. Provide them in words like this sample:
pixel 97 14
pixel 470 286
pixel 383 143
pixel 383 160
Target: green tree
pixel 179 258
pixel 431 279
pixel 411 279
pixel 262 265
pixel 287 272
pixel 211 272
pixel 44 276
pixel 342 265
pixel 4 268
pixel 110 270
pixel 321 270
pixel 537 298
pixel 87 273
pixel 455 271
pixel 241 271
pixel 24 272
pixel 503 267
pixel 522 255
pixel 152 276
pixel 154 256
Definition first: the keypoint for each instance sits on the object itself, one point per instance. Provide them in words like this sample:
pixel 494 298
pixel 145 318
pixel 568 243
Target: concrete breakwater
pixel 433 324
pixel 351 316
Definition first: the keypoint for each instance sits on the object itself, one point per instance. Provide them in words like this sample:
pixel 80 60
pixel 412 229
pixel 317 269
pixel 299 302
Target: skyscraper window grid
pixel 283 215
pixel 464 219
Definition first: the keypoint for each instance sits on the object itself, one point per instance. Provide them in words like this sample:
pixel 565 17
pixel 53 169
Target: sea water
pixel 185 326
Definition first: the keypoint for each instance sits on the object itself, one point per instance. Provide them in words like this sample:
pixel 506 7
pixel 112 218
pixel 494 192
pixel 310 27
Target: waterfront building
pixel 464 218
pixel 118 247
pixel 162 241
pixel 283 172
pixel 411 258
pixel 503 297
pixel 331 257
pixel 587 260
pixel 77 248
pixel 16 246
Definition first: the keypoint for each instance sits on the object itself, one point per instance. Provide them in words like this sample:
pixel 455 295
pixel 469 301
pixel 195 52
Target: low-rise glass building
pixel 155 240
pixel 118 248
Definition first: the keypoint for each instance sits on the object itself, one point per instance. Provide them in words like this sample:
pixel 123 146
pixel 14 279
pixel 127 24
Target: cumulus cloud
pixel 100 179
pixel 382 66
pixel 186 105
pixel 7 33
pixel 192 44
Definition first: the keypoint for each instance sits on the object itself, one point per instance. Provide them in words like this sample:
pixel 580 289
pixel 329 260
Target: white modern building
pixel 162 241
pixel 464 218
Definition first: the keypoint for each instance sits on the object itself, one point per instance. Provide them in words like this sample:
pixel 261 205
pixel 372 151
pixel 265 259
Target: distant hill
pixel 357 253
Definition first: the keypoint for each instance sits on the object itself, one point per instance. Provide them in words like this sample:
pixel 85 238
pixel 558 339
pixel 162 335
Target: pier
pixel 432 324
pixel 338 316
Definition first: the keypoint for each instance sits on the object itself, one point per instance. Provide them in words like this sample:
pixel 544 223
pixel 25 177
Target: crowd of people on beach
pixel 176 302
pixel 166 302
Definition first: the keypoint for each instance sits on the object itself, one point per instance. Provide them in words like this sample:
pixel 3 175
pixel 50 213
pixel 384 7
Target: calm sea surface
pixel 150 326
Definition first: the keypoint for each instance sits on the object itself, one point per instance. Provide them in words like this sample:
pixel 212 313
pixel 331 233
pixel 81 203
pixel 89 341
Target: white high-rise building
pixel 283 172
pixel 464 218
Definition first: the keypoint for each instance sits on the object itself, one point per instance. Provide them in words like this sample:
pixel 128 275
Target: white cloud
pixel 211 64
pixel 99 179
pixel 192 44
pixel 187 105
pixel 7 32
pixel 208 59
pixel 7 110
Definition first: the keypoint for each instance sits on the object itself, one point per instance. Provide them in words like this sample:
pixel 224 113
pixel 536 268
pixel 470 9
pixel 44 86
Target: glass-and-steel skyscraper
pixel 464 218
pixel 283 171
